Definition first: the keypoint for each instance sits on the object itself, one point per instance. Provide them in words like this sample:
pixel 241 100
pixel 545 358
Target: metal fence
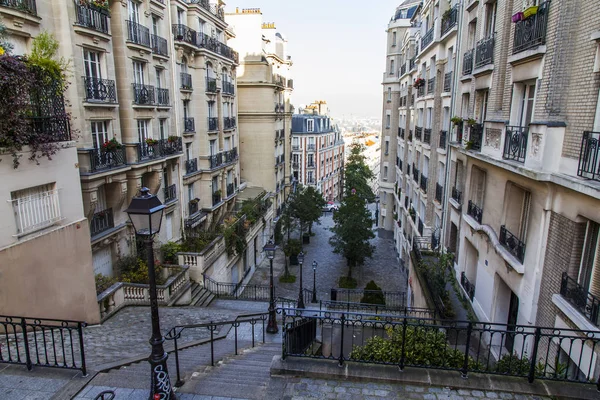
pixel 393 300
pixel 237 291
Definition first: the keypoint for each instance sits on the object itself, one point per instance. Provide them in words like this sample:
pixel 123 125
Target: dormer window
pixel 310 125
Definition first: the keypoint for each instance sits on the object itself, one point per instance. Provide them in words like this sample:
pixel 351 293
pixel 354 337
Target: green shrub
pixel 195 242
pixel 169 252
pixel 292 248
pixel 104 282
pixel 346 282
pixel 287 278
pixel 374 296
pixel 513 365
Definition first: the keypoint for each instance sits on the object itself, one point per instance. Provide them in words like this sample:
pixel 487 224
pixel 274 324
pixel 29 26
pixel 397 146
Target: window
pixel 516 210
pixel 387 147
pixel 186 109
pixel 159 78
pixel 310 177
pixel 213 147
pixel 392 67
pixel 211 109
pixel 483 104
pixel 215 184
pixel 393 39
pixel 99 133
pixel 155 25
pixel 91 64
pixel 226 144
pixel 35 208
pixel 163 128
pixel 525 99
pixel 134 11
pixel 388 121
pixel 385 172
pixel 188 151
pixel 138 72
pixel 389 94
pixel 310 125
pixel 490 19
pixel 477 186
pixel 143 131
pixel 180 16
pixel 295 143
pixel 311 161
pixel 201 25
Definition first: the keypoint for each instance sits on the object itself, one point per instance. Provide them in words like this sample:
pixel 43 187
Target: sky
pixel 338 50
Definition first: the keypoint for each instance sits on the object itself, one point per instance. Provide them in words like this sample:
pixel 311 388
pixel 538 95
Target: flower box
pixel 517 17
pixel 111 145
pixel 151 142
pixel 530 11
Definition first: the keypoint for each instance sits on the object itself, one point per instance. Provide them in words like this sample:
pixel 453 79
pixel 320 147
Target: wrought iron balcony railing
pixel 427 38
pixel 171 146
pixel 421 91
pixel 210 43
pixel 467 67
pixel 475 136
pixel 512 243
pixel 515 143
pixel 99 90
pixel 185 34
pixel 423 183
pixel 212 8
pixel 296 147
pixel 418 132
pixel 101 222
pixel 230 155
pixel 170 193
pixel 188 125
pixel 457 195
pixel 531 32
pixel 439 192
pixel 295 165
pixel 230 189
pixel 228 88
pixel 211 85
pixel 27 6
pixel 449 19
pixel 143 94
pixel 138 34
pixel 213 124
pixel 427 135
pixel 162 96
pixel 103 160
pixel 149 151
pixel 431 85
pixel 579 296
pixel 475 211
pixel 216 198
pixel 193 207
pixel 447 81
pixel 228 122
pixel 186 81
pixel 403 69
pixel 484 52
pixel 467 285
pixel 191 166
pixel 87 15
pixel 310 147
pixel 216 160
pixel 442 142
pixel 159 45
pixel 589 156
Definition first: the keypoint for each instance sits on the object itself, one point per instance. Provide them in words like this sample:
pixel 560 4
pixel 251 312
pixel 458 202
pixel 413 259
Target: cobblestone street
pixel 383 267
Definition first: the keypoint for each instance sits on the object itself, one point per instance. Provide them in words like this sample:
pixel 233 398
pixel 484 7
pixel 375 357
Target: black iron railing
pixel 439 192
pixel 457 195
pixel 89 16
pixel 512 243
pixel 418 132
pixel 421 90
pixel 447 81
pixel 467 285
pixel 143 94
pixel 427 38
pixel 99 90
pixel 449 19
pixel 475 136
pixel 230 189
pixel 162 96
pixel 391 300
pixel 380 309
pixel 191 166
pixel 27 6
pixel 431 85
pixel 415 173
pixel 442 142
pixel 42 342
pixel 211 85
pixel 401 133
pixel 210 43
pixel 185 34
pixel 170 193
pixel 213 123
pixel 103 160
pixel 216 198
pixel 193 207
pixel 515 143
pixel 403 69
pixel 186 81
pixel 579 296
pixel 427 135
pixel 101 222
pixel 228 88
pixel 475 211
pixel 589 157
pixel 531 32
pixel 424 183
pixel 212 8
pixel 171 146
pixel 310 147
pixel 188 125
pixel 149 151
pixel 228 122
pixel 216 160
pixel 138 34
pixel 230 155
pixel 467 67
pixel 484 52
pixel 420 227
pixel 159 45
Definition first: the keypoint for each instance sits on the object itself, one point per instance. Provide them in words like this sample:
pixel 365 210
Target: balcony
pixel 210 43
pixel 295 147
pixel 216 160
pixel 475 211
pixel 427 135
pixel 191 166
pixel 447 81
pixel 531 32
pixel 101 222
pixel 439 192
pixel 86 15
pixel 212 8
pixel 431 85
pixel 457 195
pixel 230 189
pixel 171 146
pixel 213 124
pixel 515 143
pixel 589 157
pixel 310 164
pixel 159 45
pixel 170 193
pixel 211 85
pixel 475 136
pixel 230 156
pixel 467 68
pixel 228 122
pixel 162 97
pixel 442 142
pixel 151 150
pixel 421 91
pixel 138 34
pixel 216 198
pixel 228 88
pixel 99 90
pixel 193 207
pixel 579 296
pixel 449 19
pixel 418 132
pixel 310 147
pixel 468 286
pixel 403 69
pixel 295 165
pixel 186 81
pixel 420 227
pixel 188 125
pixel 427 38
pixel 104 160
pixel 512 243
pixel 423 183
pixel 484 52
pixel 185 34
pixel 26 6
pixel 143 94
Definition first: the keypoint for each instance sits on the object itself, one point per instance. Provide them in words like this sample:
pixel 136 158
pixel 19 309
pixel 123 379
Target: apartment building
pixel 265 87
pixel 318 151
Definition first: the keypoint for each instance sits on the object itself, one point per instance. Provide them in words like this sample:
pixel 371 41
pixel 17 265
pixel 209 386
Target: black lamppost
pixel 270 248
pixel 300 294
pixel 314 298
pixel 145 213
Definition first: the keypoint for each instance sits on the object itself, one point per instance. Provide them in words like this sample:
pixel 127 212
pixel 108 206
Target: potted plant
pixel 419 82
pixel 530 11
pixel 172 139
pixel 291 249
pixel 456 120
pixel 111 145
pixel 471 122
pixel 151 142
pixel 217 193
pixel 517 17
pixel 468 144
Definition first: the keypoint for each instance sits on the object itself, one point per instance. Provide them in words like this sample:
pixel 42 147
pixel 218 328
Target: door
pixel 99 134
pixel 102 261
pixel 138 73
pixel 91 64
pixel 527 105
pixel 513 312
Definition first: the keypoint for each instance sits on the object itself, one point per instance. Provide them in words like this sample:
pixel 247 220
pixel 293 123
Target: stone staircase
pixel 201 297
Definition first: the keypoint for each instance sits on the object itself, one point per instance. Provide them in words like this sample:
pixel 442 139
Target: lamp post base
pixel 161 384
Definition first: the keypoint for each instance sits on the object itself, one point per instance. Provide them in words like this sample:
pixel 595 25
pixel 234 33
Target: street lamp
pixel 300 294
pixel 270 248
pixel 145 213
pixel 314 299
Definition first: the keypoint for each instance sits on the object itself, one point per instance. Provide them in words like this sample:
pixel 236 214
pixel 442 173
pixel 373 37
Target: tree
pixel 352 231
pixel 357 173
pixel 307 207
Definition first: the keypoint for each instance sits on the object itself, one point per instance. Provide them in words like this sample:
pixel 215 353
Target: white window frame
pixel 310 125
pixel 35 208
pixel 99 131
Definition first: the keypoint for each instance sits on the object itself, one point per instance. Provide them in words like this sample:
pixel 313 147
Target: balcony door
pixel 143 131
pixel 91 64
pixel 138 72
pixel 590 260
pixel 99 133
pixel 134 11
pixel 526 106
